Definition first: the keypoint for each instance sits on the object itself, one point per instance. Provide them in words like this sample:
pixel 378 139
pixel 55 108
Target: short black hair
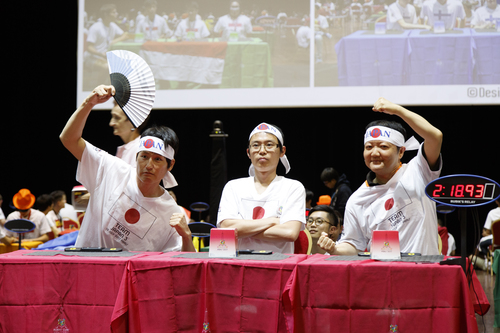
pixel 388 123
pixel 43 202
pixel 335 217
pixel 165 133
pixel 57 195
pixel 329 174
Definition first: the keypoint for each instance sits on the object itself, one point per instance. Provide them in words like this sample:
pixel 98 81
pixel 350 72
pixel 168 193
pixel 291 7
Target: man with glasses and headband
pixel 267 210
pixel 128 207
pixel 324 221
pixel 393 195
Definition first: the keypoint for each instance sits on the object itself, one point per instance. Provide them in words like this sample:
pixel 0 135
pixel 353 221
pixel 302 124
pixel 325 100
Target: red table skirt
pixel 157 292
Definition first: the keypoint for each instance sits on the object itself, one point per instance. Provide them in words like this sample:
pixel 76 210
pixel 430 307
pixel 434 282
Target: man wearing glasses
pixel 267 210
pixel 323 221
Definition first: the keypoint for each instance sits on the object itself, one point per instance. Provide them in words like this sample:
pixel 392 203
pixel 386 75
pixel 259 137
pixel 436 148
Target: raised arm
pixel 71 135
pixel 433 137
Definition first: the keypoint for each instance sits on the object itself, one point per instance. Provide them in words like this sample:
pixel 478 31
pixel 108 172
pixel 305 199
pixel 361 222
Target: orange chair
pixel 303 243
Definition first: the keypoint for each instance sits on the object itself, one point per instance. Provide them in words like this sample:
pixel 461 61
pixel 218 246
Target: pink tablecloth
pixel 370 296
pixel 41 291
pixel 166 293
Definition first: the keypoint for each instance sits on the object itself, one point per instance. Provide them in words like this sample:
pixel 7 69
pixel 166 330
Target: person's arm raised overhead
pixel 71 135
pixel 433 137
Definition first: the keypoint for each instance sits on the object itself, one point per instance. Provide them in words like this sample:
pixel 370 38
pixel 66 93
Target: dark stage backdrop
pixel 41 97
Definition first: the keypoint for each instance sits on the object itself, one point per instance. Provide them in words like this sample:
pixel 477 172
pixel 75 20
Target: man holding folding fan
pixel 128 207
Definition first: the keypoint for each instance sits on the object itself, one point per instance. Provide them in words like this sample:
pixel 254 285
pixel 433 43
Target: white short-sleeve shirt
pixel 118 215
pixel 401 204
pixel 284 198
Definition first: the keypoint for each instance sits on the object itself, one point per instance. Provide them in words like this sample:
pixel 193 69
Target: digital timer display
pixel 463 190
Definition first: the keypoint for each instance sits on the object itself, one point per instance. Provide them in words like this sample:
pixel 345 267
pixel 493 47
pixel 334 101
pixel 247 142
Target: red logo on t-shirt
pixel 132 216
pixel 258 213
pixel 389 204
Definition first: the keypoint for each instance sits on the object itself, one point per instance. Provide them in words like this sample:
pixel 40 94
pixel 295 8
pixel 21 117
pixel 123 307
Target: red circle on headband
pixel 375 133
pixel 149 143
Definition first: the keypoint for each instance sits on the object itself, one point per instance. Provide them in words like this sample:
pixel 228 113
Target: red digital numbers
pixel 438 189
pixel 460 191
pixel 472 191
pixel 480 190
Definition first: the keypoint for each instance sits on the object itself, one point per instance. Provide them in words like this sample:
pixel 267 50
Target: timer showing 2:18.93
pixel 463 190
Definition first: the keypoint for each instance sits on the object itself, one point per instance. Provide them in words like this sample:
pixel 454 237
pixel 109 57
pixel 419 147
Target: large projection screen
pixel 349 62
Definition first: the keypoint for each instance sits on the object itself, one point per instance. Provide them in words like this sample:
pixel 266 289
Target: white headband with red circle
pixel 266 128
pixel 157 146
pixel 382 133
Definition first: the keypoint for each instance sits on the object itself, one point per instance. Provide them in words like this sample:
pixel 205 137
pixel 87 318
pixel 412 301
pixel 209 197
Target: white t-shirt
pixel 118 215
pixel 198 27
pixel 284 198
pixel 484 14
pixel 493 215
pixel 303 36
pixel 448 13
pixel 226 25
pixel 54 220
pixel 128 152
pixel 69 212
pixel 155 29
pixel 396 12
pixel 451 244
pixel 320 22
pixel 38 218
pixel 401 204
pixel 101 35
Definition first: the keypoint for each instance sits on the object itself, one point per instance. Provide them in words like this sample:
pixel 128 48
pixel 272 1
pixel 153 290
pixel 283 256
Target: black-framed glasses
pixel 268 146
pixel 318 221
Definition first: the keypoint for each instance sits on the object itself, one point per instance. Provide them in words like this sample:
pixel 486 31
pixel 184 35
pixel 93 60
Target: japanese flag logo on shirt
pixel 132 216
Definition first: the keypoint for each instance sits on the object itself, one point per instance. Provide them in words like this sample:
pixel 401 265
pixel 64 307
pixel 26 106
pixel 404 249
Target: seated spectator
pixel 192 27
pixel 487 237
pixel 402 15
pixel 484 17
pixel 153 26
pixel 304 34
pixel 447 11
pixel 24 201
pixel 324 221
pixel 101 35
pixel 45 204
pixel 233 23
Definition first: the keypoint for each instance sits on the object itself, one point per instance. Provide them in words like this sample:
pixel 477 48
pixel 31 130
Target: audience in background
pixel 340 186
pixel 45 204
pixel 24 201
pixel 324 221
